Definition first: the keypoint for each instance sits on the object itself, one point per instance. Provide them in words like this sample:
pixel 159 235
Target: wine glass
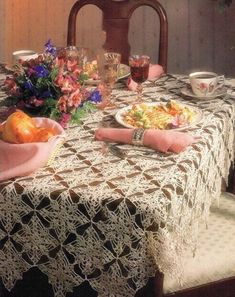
pixel 61 53
pixel 85 56
pixel 72 54
pixel 139 67
pixel 108 65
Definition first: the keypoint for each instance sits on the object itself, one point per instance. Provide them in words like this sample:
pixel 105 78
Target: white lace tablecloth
pixel 114 221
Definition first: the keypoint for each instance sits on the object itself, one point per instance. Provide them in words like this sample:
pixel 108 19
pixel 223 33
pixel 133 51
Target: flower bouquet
pixel 52 86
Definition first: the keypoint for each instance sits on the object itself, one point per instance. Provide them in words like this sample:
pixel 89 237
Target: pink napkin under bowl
pixel 155 71
pixel 159 140
pixel 23 159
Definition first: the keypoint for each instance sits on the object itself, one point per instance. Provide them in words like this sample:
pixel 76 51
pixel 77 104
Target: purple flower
pixel 95 96
pixel 50 48
pixel 28 85
pixel 46 94
pixel 41 71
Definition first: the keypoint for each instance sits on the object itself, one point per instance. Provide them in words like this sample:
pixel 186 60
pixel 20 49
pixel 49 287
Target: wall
pixel 200 37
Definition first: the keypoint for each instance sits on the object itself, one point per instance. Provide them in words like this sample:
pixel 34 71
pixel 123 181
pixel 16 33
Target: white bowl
pixel 24 55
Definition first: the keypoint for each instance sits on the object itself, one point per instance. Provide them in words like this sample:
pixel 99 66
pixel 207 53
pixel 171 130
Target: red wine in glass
pixel 139 67
pixel 139 73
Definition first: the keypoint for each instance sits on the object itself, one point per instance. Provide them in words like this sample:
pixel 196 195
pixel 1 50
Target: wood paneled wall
pixel 200 36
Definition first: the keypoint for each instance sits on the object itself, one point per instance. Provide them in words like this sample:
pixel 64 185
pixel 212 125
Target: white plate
pixel 120 113
pixel 124 71
pixel 188 92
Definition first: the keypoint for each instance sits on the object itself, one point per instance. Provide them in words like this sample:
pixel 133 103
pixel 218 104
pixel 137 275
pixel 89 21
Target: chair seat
pixel 215 255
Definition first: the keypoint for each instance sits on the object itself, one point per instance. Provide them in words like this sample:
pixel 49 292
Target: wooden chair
pixel 116 16
pixel 211 273
pixel 231 184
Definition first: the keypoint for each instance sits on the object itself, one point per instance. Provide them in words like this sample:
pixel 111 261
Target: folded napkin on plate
pixel 160 140
pixel 23 159
pixel 155 71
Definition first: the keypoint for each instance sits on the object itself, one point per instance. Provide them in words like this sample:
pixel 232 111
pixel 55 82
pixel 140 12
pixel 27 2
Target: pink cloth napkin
pixel 155 71
pixel 160 140
pixel 23 159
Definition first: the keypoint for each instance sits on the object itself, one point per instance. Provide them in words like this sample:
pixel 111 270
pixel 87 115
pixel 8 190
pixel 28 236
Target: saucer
pixel 187 91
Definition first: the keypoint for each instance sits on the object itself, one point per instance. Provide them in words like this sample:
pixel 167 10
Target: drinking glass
pixel 72 54
pixel 85 56
pixel 61 53
pixel 108 65
pixel 139 67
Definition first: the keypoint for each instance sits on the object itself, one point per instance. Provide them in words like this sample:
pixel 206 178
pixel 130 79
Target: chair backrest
pixel 116 16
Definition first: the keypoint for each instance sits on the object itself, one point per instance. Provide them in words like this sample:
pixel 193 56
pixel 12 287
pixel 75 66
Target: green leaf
pixel 81 112
pixel 55 114
pixel 54 73
pixel 48 106
pixel 89 106
pixel 83 77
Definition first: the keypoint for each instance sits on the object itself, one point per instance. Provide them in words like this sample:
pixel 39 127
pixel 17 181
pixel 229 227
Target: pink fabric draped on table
pixel 160 140
pixel 23 159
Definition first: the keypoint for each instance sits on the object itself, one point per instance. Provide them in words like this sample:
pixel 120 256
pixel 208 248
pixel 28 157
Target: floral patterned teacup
pixel 205 83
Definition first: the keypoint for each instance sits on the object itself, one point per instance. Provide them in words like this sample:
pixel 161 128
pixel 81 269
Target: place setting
pixel 158 127
pixel 167 114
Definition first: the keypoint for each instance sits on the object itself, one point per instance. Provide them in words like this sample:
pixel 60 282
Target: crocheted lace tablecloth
pixel 111 221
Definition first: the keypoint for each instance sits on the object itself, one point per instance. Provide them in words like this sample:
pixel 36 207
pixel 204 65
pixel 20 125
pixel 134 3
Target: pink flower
pixel 75 74
pixel 30 71
pixel 11 87
pixel 64 119
pixel 202 86
pixel 67 84
pixel 9 83
pixel 75 99
pixel 35 101
pixel 66 87
pixel 59 80
pixel 62 103
pixel 72 65
pixel 59 63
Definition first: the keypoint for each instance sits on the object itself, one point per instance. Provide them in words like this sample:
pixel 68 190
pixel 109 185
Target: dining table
pixel 113 222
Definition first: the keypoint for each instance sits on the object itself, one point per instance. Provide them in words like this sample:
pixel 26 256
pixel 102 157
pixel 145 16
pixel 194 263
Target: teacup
pixel 205 83
pixel 24 55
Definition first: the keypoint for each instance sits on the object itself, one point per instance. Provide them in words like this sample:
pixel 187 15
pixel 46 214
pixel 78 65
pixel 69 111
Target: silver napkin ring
pixel 138 137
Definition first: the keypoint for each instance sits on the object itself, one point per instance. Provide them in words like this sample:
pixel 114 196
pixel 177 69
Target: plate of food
pixel 91 70
pixel 159 115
